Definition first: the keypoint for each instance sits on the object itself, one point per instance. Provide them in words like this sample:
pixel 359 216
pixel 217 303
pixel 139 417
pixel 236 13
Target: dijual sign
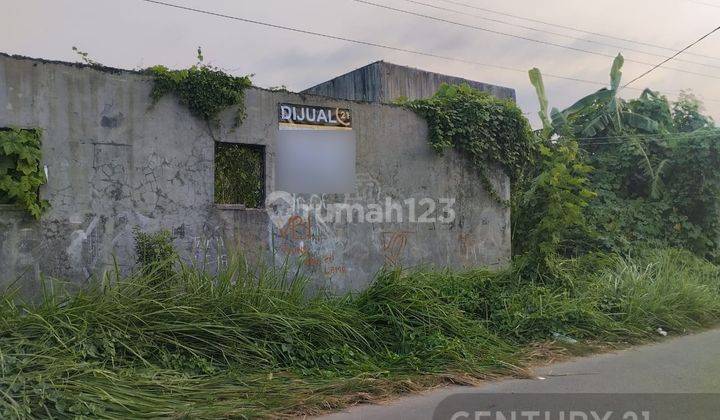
pixel 293 115
pixel 315 150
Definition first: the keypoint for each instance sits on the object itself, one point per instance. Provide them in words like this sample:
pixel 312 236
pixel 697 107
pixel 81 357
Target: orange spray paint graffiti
pixel 394 244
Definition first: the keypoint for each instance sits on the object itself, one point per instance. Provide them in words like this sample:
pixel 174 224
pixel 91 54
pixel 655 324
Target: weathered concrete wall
pixel 115 161
pixel 385 82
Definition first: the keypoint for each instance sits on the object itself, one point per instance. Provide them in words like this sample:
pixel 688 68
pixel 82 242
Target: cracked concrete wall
pixel 116 161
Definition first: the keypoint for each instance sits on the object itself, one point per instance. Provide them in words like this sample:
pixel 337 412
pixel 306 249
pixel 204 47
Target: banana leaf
pixel 596 126
pixel 639 122
pixel 601 96
pixel 559 119
pixel 616 72
pixel 537 82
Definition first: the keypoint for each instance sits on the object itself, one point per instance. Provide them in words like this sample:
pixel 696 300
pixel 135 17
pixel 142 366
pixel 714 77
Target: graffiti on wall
pixel 393 246
pixel 313 243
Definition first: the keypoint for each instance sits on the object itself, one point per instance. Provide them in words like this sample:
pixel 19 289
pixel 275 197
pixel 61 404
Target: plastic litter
pixel 564 338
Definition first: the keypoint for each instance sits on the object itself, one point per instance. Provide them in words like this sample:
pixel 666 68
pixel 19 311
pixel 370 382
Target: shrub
pixel 548 213
pixel 154 252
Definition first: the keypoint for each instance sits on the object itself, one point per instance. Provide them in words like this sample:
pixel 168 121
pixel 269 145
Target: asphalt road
pixel 688 365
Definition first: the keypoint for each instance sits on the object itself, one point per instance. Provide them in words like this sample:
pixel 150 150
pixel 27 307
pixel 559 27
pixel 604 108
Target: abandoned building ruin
pixel 115 161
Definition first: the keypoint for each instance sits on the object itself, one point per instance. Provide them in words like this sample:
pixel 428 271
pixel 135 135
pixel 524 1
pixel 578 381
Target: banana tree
pixel 653 174
pixel 599 113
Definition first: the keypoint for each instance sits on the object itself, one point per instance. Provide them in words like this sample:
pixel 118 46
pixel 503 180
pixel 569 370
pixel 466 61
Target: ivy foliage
pixel 21 174
pixel 486 129
pixel 204 89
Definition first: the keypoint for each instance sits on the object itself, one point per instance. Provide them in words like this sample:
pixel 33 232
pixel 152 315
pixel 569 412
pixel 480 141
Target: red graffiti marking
pixel 394 244
pixel 297 229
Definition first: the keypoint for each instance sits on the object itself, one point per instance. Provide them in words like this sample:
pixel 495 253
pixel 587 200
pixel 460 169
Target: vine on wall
pixel 486 129
pixel 204 89
pixel 20 172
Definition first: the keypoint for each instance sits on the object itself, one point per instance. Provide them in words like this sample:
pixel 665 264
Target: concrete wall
pixel 385 82
pixel 115 162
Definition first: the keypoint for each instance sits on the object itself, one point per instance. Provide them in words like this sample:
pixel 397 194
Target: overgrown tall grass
pixel 668 289
pixel 252 342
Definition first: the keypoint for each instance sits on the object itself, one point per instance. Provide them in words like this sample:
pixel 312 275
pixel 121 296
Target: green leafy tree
pixel 655 106
pixel 655 167
pixel 687 114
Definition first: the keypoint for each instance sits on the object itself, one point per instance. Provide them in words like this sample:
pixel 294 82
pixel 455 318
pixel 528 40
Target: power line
pixel 648 44
pixel 378 45
pixel 680 146
pixel 622 138
pixel 558 34
pixel 702 3
pixel 367 43
pixel 619 140
pixel 673 56
pixel 538 41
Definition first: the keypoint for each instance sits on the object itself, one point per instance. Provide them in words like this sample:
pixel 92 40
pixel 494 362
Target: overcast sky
pixel 136 34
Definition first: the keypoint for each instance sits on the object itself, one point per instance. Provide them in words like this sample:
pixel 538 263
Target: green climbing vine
pixel 486 129
pixel 204 89
pixel 21 174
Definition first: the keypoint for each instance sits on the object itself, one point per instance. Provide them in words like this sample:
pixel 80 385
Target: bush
pixel 548 213
pixel 661 192
pixel 21 172
pixel 154 252
pixel 655 169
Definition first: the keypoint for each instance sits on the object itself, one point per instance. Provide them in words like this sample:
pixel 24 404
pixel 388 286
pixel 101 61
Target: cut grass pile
pixel 249 342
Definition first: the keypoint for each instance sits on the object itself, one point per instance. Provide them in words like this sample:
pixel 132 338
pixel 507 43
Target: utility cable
pixel 538 41
pixel 673 56
pixel 648 44
pixel 558 34
pixel 374 44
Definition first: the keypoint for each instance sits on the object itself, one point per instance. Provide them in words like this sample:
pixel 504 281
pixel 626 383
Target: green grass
pixel 669 289
pixel 254 342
